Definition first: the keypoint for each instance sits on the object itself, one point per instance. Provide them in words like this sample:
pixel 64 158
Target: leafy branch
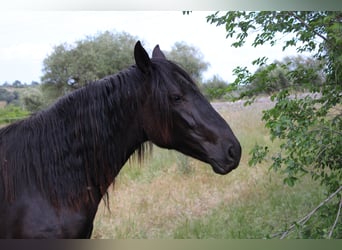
pixel 292 13
pixel 307 217
pixel 308 128
pixel 336 220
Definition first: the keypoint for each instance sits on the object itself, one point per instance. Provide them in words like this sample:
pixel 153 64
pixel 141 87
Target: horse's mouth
pixel 223 169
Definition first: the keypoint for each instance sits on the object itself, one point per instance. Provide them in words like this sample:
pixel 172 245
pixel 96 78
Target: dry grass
pixel 144 205
pixel 153 210
pixel 3 104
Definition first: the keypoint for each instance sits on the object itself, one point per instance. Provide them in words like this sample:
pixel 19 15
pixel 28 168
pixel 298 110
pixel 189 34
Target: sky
pixel 28 37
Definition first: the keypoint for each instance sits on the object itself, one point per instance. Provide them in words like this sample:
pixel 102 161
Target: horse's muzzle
pixel 230 162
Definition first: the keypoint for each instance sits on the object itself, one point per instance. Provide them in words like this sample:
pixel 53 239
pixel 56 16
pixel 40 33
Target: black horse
pixel 56 166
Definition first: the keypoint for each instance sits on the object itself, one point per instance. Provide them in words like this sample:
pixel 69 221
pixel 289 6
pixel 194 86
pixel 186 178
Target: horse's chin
pixel 222 169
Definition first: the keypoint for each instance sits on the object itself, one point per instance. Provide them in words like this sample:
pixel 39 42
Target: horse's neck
pixel 112 131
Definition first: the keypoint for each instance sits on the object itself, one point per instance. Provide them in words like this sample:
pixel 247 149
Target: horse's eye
pixel 176 98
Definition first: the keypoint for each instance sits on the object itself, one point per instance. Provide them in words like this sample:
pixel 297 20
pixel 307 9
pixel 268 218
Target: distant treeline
pixel 18 84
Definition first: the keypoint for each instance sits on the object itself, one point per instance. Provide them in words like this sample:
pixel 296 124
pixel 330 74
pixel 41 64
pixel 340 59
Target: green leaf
pixel 290 181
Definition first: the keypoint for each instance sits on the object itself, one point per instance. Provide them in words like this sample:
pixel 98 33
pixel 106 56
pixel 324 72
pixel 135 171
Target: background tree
pixel 190 58
pixel 297 73
pixel 215 88
pixel 71 66
pixel 8 96
pixel 309 128
pixel 18 84
pixel 32 99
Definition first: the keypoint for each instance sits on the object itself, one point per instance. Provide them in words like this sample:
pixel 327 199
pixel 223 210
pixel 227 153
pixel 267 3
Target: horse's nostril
pixel 231 153
pixel 234 152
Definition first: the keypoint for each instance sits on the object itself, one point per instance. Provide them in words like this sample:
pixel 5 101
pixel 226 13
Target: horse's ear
pixel 141 58
pixel 157 53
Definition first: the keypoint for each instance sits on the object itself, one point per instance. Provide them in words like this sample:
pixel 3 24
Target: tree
pixel 190 58
pixel 309 128
pixel 17 84
pixel 215 88
pixel 34 83
pixel 71 66
pixel 8 96
pixel 32 99
pixel 295 73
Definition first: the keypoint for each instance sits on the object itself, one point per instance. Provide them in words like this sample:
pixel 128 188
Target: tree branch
pixel 307 26
pixel 336 220
pixel 309 215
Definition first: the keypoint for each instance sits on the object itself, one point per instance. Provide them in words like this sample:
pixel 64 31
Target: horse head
pixel 177 116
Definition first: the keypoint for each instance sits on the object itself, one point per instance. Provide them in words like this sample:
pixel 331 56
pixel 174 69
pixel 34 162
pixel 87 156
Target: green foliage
pixel 8 96
pixel 18 84
pixel 28 97
pixel 71 66
pixel 294 73
pixel 215 88
pixel 33 99
pixel 312 141
pixel 12 113
pixel 190 58
pixel 308 127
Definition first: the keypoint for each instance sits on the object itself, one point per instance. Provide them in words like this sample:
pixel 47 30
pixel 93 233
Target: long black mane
pixel 73 141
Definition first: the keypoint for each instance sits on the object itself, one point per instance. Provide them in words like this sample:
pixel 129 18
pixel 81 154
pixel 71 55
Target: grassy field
pixel 173 196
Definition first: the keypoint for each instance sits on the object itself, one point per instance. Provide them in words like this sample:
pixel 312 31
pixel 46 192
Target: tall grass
pixel 260 212
pixel 172 196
